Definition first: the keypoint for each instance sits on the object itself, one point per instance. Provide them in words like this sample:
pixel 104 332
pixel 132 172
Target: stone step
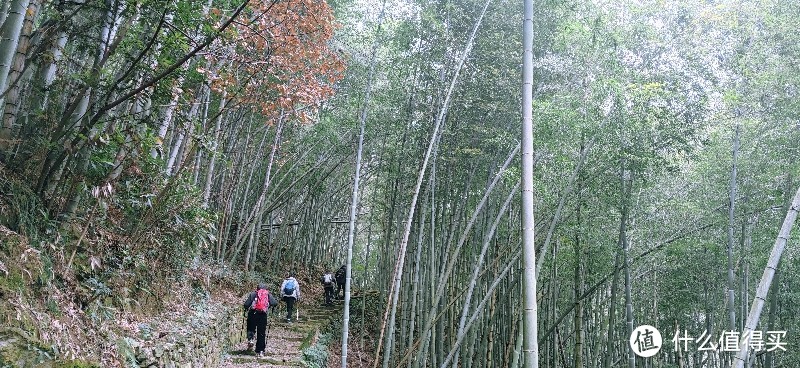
pixel 276 361
pixel 303 316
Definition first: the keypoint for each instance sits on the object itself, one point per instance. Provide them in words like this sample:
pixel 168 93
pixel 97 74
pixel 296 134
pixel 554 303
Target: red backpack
pixel 262 301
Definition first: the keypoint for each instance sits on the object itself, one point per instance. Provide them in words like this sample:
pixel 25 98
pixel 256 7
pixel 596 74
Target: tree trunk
pixel 44 78
pixel 584 152
pixel 9 39
pixel 214 147
pixel 518 345
pixel 178 151
pixel 766 280
pixel 626 182
pixel 479 263
pixel 249 249
pixel 12 93
pixel 258 208
pixel 356 182
pixel 743 286
pixel 4 11
pixel 169 114
pixel 531 345
pixel 769 358
pixel 479 308
pixel 450 262
pixel 392 305
pixel 731 222
pixel 612 314
pixel 578 289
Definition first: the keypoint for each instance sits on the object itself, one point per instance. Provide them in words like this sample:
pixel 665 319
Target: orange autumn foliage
pixel 281 48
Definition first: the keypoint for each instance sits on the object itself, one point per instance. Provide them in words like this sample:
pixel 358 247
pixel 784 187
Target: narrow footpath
pixel 285 341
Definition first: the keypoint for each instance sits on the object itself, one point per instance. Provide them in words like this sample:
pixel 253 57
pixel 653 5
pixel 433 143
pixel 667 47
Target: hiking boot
pixel 261 354
pixel 250 344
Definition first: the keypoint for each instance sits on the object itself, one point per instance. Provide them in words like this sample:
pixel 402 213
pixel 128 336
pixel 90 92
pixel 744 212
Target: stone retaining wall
pixel 200 340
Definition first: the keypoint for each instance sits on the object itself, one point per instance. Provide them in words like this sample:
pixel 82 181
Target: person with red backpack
pixel 255 308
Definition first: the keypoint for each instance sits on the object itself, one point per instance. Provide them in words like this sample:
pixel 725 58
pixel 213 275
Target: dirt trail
pixel 285 341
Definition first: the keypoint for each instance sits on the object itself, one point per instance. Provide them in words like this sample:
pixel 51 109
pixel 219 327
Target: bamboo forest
pixel 400 183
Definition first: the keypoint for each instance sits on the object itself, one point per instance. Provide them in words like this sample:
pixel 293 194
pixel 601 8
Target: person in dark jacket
pixel 257 320
pixel 341 278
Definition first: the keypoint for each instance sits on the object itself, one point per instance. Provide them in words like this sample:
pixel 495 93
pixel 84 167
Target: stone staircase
pixel 285 341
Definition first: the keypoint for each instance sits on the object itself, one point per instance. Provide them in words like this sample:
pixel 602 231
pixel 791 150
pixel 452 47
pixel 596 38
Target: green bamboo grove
pixel 515 184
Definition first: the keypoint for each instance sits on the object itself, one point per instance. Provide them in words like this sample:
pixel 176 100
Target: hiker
pixel 290 293
pixel 255 309
pixel 341 278
pixel 328 282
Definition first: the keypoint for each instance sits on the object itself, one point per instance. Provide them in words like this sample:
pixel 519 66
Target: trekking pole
pixel 244 327
pixel 266 333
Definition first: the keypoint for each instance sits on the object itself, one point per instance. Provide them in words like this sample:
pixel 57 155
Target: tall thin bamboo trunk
pixel 9 40
pixel 389 319
pixel 609 355
pixel 478 309
pixel 214 147
pixel 248 252
pixel 258 208
pixel 628 298
pixel 178 151
pixel 584 153
pixel 449 263
pixel 531 345
pixel 44 77
pixel 577 353
pixel 12 93
pixel 487 241
pixel 769 358
pixel 416 291
pixel 515 361
pixel 766 280
pixel 4 11
pixel 731 223
pixel 256 242
pixel 626 182
pixel 169 115
pixel 356 182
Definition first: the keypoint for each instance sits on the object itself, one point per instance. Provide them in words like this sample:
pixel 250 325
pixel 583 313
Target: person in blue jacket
pixel 290 293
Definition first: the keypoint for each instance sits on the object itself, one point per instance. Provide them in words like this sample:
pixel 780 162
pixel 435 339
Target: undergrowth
pixel 364 330
pixel 72 288
pixel 316 355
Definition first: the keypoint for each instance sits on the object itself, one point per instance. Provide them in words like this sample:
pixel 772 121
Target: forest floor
pixel 285 341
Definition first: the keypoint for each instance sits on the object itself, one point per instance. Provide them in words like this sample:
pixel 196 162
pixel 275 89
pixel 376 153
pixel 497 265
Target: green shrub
pixel 316 356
